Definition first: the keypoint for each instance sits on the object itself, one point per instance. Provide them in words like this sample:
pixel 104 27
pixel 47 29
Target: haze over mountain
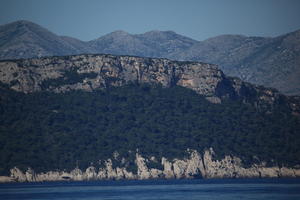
pixel 273 62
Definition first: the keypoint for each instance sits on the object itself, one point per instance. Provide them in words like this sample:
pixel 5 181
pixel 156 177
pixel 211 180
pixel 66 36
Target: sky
pixel 198 19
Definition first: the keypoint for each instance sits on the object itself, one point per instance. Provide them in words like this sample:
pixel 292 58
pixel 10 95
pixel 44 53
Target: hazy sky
pixel 198 19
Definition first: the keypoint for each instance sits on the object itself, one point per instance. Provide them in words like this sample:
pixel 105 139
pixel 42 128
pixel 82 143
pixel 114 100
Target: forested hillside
pixel 48 131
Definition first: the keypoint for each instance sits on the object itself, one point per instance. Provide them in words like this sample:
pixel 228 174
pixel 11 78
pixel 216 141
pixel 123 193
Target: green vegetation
pixel 48 131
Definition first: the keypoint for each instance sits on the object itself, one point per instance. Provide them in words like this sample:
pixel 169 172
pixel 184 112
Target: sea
pixel 200 189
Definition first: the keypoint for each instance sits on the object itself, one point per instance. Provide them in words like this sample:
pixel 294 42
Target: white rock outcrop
pixel 18 175
pixel 194 166
pixel 143 171
pixel 90 173
pixel 168 168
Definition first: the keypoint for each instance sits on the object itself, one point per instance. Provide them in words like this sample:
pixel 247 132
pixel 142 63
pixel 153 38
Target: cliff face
pixel 196 165
pixel 89 72
pixel 102 71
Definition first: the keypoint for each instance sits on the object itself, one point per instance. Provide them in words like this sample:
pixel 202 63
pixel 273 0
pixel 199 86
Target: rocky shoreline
pixel 195 166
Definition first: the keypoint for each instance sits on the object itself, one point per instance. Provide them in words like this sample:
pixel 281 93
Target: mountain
pixel 229 49
pixel 272 62
pixel 95 117
pixel 150 44
pixel 24 39
pixel 80 46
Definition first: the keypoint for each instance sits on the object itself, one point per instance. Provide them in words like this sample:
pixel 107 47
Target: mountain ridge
pixel 273 62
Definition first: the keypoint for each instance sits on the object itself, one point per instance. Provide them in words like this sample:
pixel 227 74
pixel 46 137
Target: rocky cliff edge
pixel 196 165
pixel 90 72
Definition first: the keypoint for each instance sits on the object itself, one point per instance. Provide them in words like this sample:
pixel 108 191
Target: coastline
pixel 195 166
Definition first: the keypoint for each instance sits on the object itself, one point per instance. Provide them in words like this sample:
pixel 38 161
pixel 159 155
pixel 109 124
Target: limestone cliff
pixel 90 72
pixel 196 165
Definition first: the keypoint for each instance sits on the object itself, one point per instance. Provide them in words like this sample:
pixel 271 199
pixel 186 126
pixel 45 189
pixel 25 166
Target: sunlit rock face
pixel 90 72
pixel 102 71
pixel 196 165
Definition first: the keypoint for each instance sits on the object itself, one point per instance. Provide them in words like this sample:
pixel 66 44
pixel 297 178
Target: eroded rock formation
pixel 90 72
pixel 195 166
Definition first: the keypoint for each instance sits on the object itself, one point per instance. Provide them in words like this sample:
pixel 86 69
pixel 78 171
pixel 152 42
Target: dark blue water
pixel 224 189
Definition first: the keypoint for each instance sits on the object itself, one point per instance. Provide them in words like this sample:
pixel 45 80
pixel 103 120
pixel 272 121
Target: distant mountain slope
pixel 150 44
pixel 120 42
pixel 276 64
pixel 273 62
pixel 23 39
pixel 228 49
pixel 80 46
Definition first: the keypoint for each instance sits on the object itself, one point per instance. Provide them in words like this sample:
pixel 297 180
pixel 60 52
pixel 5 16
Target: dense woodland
pixel 48 131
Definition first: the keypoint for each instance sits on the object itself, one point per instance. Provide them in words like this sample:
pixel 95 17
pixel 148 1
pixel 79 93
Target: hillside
pixel 83 129
pixel 91 117
pixel 24 39
pixel 149 44
pixel 272 62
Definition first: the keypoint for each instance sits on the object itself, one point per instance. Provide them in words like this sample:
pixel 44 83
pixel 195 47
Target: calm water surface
pixel 224 189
